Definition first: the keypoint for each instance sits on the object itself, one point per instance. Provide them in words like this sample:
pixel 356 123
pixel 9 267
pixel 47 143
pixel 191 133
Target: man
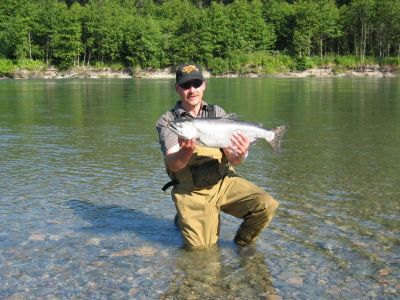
pixel 204 181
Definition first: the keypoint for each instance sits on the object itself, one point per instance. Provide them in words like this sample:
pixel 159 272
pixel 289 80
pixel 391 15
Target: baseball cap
pixel 188 72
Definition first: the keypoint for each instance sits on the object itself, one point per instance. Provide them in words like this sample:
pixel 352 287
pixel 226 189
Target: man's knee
pixel 267 203
pixel 271 204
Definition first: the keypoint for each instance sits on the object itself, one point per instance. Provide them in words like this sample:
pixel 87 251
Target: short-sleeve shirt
pixel 168 138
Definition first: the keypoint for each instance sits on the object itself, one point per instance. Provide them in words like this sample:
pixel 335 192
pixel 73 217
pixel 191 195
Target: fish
pixel 217 132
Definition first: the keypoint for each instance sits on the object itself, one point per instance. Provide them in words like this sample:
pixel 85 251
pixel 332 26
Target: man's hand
pixel 186 146
pixel 178 157
pixel 238 148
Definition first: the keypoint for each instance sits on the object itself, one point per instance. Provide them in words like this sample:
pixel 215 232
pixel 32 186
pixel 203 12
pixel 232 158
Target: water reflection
pixel 213 274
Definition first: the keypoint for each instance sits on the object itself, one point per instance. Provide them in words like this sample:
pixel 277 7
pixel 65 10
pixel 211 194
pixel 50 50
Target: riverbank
pixel 53 73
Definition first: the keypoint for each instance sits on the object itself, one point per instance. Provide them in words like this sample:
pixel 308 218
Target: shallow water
pixel 82 214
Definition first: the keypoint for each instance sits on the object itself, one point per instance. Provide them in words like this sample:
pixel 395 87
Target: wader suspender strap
pixel 169 184
pixel 211 111
pixel 211 114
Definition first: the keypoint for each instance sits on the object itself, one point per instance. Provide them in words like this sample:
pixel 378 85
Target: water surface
pixel 82 214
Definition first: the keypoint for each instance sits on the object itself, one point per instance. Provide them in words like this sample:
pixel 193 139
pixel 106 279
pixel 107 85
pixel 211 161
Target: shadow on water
pixel 114 219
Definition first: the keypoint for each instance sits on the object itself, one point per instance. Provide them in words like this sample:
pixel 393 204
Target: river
pixel 82 214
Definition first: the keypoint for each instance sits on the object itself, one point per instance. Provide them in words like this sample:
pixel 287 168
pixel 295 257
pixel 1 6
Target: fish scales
pixel 217 133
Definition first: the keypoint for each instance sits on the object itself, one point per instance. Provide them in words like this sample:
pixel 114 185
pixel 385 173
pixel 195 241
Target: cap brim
pixel 189 77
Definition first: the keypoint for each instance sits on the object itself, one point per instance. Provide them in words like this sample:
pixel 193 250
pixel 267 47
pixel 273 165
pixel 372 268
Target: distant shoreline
pixel 83 73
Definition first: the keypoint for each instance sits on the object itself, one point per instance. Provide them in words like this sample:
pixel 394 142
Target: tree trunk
pixel 47 51
pixel 30 45
pixel 398 53
pixel 84 56
pixel 320 47
pixel 362 43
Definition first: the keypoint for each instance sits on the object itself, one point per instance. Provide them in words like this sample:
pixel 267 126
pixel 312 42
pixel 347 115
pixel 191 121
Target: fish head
pixel 184 129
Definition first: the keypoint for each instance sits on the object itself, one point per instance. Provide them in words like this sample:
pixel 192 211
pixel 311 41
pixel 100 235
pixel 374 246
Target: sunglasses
pixel 192 83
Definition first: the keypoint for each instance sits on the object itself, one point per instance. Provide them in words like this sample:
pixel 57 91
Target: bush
pixel 6 67
pixel 391 61
pixel 347 62
pixel 117 67
pixel 265 62
pixel 30 64
pixel 278 63
pixel 218 66
pixel 303 63
pixel 238 63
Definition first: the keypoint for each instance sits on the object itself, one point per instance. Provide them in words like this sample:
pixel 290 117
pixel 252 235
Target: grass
pixel 6 67
pixel 259 62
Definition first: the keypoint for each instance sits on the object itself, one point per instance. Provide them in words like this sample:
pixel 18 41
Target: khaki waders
pixel 208 185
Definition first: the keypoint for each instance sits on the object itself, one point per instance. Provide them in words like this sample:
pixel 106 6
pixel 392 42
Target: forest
pixel 223 36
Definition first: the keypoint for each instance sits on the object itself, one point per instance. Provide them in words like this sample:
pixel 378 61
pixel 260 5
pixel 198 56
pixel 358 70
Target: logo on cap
pixel 189 69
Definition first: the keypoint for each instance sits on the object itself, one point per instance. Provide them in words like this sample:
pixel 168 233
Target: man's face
pixel 191 92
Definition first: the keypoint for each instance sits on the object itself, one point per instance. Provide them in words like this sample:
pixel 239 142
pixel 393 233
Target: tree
pixel 328 24
pixel 306 23
pixel 280 15
pixel 359 19
pixel 16 25
pixel 103 30
pixel 181 24
pixel 387 27
pixel 48 21
pixel 66 39
pixel 143 42
pixel 315 22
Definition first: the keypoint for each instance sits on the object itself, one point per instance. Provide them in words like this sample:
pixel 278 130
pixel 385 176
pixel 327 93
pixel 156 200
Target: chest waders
pixel 206 166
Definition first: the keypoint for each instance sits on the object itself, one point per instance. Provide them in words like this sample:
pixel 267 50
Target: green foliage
pixel 66 43
pixel 218 66
pixel 303 63
pixel 30 64
pixel 280 15
pixel 391 61
pixel 347 61
pixel 278 63
pixel 6 67
pixel 239 36
pixel 117 67
pixel 315 23
pixel 143 41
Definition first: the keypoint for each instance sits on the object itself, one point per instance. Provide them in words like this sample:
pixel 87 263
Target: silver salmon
pixel 217 132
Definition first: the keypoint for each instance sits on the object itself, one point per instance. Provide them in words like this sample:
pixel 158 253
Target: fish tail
pixel 276 142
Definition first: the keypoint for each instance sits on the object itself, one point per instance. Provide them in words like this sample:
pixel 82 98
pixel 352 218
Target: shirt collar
pixel 181 112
